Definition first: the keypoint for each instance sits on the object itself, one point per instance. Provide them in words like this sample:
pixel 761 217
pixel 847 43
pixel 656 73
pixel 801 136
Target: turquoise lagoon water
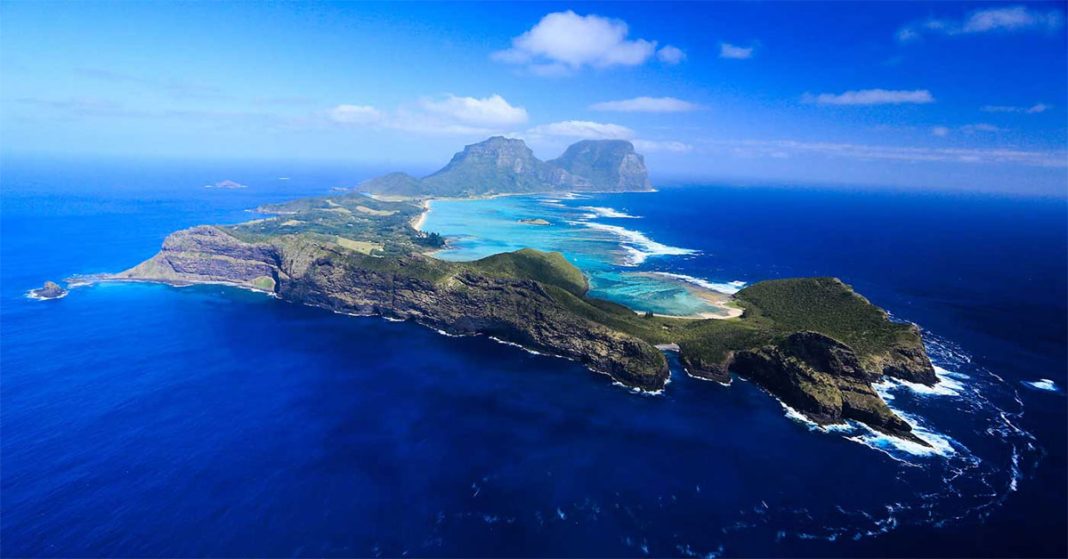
pixel 621 262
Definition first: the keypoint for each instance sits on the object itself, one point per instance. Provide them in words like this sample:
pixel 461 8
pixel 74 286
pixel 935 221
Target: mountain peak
pixel 499 165
pixel 610 164
pixel 504 149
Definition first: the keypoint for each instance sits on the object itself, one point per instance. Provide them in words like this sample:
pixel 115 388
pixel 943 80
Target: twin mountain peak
pixel 505 165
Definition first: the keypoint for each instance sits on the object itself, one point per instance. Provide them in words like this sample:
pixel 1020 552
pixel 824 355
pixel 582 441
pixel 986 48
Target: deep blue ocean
pixel 146 420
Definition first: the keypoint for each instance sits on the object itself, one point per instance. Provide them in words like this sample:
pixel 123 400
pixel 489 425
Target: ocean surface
pixel 146 420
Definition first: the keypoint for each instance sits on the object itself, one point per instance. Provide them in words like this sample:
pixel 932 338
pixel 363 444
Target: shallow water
pixel 591 237
pixel 149 420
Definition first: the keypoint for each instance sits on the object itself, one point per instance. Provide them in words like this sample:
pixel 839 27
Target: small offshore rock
pixel 50 290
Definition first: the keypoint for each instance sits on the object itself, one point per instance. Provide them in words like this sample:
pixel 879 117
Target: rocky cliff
pixel 50 290
pixel 823 377
pixel 457 299
pixel 503 165
pixel 609 164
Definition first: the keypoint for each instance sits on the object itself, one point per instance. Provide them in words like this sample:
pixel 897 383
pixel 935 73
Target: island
pixel 534 221
pixel 50 290
pixel 226 185
pixel 813 343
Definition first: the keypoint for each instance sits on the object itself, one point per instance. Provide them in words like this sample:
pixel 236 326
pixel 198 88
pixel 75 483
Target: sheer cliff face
pixel 610 164
pixel 503 165
pixel 497 165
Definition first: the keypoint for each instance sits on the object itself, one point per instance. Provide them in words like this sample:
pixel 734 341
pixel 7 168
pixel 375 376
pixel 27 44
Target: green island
pixel 813 343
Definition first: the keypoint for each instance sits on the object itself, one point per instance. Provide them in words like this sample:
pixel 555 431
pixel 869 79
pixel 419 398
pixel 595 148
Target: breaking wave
pixel 1043 384
pixel 730 287
pixel 599 211
pixel 637 246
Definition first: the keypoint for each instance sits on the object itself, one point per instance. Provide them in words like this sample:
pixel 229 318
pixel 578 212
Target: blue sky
pixel 967 96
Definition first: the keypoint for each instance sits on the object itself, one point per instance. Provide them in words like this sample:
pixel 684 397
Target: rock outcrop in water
pixel 822 377
pixel 507 166
pixel 50 290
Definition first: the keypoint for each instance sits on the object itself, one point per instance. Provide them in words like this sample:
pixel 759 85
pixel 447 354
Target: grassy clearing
pixel 363 247
pixel 369 211
pixel 264 282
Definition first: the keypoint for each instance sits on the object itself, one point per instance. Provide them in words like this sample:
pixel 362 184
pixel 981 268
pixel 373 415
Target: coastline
pixel 636 389
pixel 82 281
pixel 417 222
pixel 732 312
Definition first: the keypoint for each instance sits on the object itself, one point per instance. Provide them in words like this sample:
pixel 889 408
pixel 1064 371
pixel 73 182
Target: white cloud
pixel 980 127
pixel 490 111
pixel 1033 109
pixel 990 20
pixel 583 129
pixel 563 42
pixel 943 131
pixel 669 54
pixel 727 50
pixel 355 114
pixel 778 148
pixel 1014 18
pixel 872 97
pixel 646 105
pixel 447 115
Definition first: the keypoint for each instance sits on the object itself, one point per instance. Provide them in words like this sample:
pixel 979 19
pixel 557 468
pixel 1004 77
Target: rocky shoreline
pixel 50 290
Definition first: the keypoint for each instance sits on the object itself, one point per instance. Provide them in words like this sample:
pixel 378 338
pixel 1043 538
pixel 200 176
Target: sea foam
pixel 600 211
pixel 948 385
pixel 730 287
pixel 31 295
pixel 637 245
pixel 1043 384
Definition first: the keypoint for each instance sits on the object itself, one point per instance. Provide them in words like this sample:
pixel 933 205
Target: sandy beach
pixel 729 312
pixel 417 223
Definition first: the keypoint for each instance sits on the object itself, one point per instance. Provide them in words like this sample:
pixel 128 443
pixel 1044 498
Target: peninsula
pixel 811 342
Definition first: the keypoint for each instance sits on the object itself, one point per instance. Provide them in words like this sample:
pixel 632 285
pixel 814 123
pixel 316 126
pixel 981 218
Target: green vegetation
pixel 363 247
pixel 265 283
pixel 432 240
pixel 352 220
pixel 827 306
pixel 549 268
